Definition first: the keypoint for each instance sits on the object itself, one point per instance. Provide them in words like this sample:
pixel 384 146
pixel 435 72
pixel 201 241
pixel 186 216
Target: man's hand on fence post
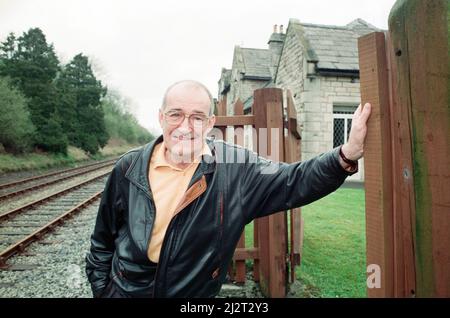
pixel 353 149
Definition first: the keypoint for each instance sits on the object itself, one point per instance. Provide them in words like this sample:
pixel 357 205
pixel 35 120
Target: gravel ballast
pixel 55 268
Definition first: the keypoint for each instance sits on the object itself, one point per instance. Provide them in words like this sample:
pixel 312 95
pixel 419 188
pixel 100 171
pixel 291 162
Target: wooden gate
pixel 272 260
pixel 405 76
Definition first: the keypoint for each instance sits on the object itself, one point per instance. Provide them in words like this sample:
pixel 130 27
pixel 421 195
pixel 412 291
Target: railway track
pixel 20 187
pixel 22 226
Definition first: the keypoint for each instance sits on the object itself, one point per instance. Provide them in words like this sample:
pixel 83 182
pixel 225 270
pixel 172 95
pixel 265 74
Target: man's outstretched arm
pixel 267 187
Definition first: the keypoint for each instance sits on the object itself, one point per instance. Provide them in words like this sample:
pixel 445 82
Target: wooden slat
pixel 246 253
pixel 292 154
pixel 261 224
pixel 221 111
pixel 278 221
pixel 219 132
pixel 223 121
pixel 239 140
pixel 256 267
pixel 222 108
pixel 272 239
pixel 377 160
pixel 238 108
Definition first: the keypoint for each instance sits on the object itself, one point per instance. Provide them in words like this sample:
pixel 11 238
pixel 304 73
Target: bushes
pixel 16 129
pixel 120 123
pixel 51 105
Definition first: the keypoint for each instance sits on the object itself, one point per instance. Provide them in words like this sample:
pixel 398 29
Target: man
pixel 172 211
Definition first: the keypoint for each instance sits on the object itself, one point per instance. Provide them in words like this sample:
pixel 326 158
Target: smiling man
pixel 172 211
pixel 185 118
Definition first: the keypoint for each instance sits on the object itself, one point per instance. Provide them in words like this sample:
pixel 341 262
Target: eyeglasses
pixel 176 117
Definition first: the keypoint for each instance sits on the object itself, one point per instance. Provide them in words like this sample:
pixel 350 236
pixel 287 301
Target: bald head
pixel 190 85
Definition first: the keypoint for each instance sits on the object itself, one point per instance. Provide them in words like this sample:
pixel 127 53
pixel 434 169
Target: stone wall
pixel 314 96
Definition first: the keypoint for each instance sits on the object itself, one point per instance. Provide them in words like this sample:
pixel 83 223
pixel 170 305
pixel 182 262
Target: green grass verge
pixel 41 161
pixel 334 246
pixel 10 163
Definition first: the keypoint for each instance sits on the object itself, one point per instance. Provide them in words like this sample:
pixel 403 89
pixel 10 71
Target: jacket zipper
pixel 221 229
pixel 169 232
pixel 221 216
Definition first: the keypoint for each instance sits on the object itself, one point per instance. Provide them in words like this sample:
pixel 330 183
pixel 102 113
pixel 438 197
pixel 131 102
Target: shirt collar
pixel 159 159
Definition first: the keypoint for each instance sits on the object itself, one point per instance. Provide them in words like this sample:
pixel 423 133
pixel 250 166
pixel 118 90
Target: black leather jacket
pixel 200 240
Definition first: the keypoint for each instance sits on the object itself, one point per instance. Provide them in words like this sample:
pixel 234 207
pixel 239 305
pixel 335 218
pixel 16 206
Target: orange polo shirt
pixel 168 185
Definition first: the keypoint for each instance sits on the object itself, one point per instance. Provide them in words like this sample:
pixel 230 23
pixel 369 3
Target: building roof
pixel 256 63
pixel 334 48
pixel 362 27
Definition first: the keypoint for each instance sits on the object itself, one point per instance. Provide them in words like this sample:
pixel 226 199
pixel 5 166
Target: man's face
pixel 184 137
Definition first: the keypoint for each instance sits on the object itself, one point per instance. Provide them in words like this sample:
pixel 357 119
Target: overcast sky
pixel 141 47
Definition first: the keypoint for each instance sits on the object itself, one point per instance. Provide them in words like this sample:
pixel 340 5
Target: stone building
pixel 251 69
pixel 319 64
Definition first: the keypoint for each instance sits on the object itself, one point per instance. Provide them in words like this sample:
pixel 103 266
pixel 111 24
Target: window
pixel 342 122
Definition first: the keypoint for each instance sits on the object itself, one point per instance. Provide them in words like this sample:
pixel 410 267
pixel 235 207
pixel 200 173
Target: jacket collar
pixel 137 173
pixel 158 158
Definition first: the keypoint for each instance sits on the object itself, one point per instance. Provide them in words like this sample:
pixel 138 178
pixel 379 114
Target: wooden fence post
pixel 420 38
pixel 267 108
pixel 377 161
pixel 407 157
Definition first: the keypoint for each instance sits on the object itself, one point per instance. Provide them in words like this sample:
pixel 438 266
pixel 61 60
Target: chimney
pixel 275 46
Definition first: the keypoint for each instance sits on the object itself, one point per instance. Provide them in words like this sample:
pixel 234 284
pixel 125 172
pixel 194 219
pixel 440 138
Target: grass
pixel 334 246
pixel 334 250
pixel 38 161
